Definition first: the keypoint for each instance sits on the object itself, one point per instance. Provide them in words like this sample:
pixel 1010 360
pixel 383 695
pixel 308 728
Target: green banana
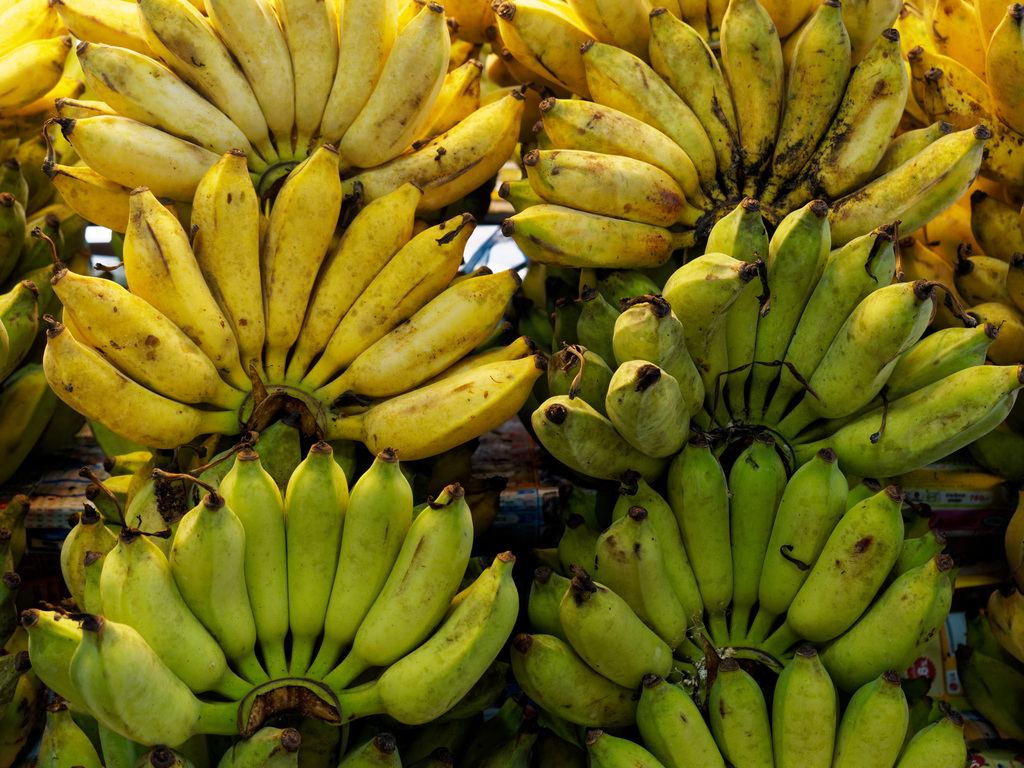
pixel 12 233
pixel 19 314
pixel 163 757
pixel 269 746
pixel 87 534
pixel 63 743
pixel 805 713
pixel 576 544
pixel 939 354
pixel 516 751
pixel 937 745
pixel 647 408
pixel 92 597
pixel 874 725
pixel 672 727
pixel 53 638
pixel 596 323
pixel 607 751
pixel 546 592
pixel 738 717
pixel 917 551
pixel 618 284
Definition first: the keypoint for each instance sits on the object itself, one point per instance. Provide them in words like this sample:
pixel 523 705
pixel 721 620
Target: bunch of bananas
pixel 816 344
pixel 670 134
pixel 276 80
pixel 340 604
pixel 367 332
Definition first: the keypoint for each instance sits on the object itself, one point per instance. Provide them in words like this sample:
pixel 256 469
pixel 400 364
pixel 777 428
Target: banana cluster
pixel 182 85
pixel 671 134
pixel 369 329
pixel 991 675
pixel 815 343
pixel 357 600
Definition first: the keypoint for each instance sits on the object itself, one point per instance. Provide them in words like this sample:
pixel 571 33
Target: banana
pixel 311 32
pixel 458 98
pixel 253 35
pixel 377 519
pixel 410 279
pixel 102 22
pixel 402 99
pixel 130 690
pixel 138 588
pixel 648 409
pixel 796 258
pixel 12 233
pixel 164 757
pixel 519 194
pixel 207 561
pixel 91 597
pixel 87 534
pixel 956 32
pixel 1003 65
pixel 270 746
pixel 865 21
pixel 586 441
pixel 850 273
pixel 19 314
pixel 1015 280
pixel 430 680
pixel 564 237
pixel 757 481
pixel 938 355
pixel 811 505
pixel 546 38
pixel 256 500
pixel 623 656
pixel 435 417
pixel 996 226
pixel 132 154
pixel 93 196
pixel 609 185
pixel 437 335
pixel 315 503
pixel 63 743
pixel 939 744
pixel 586 126
pixel 137 87
pixel 1008 346
pixel 805 713
pixel 874 724
pixel 629 561
pixel 24 712
pixel 162 270
pixel 450 166
pixel 186 41
pixel 27 20
pixel 623 23
pixel 554 675
pixel 679 53
pixel 752 62
pixel 595 327
pixel 368 32
pixel 852 566
pixel 579 373
pixel 299 232
pixel 698 495
pixel 607 751
pixel 624 82
pixel 576 545
pixel 816 82
pixel 416 595
pixel 379 752
pixel 981 279
pixel 546 592
pixel 894 628
pixel 905 145
pixel 673 728
pixel 53 638
pixel 917 551
pixel 29 71
pixel 919 262
pixel 738 717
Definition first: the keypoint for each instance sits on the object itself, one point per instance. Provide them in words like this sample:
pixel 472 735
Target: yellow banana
pixel 995 226
pixel 312 36
pixel 251 31
pixel 458 99
pixel 161 269
pixel 990 14
pixel 865 20
pixel 299 231
pixel 368 30
pixel 1015 280
pixel 27 20
pixel 135 154
pixel 921 263
pixel 1008 349
pixel 93 196
pixel 407 89
pixel 1004 68
pixel 32 69
pixel 622 23
pixel 30 119
pixel 907 144
pixel 788 16
pixel 101 22
pixel 956 32
pixel 981 279
pixel 226 244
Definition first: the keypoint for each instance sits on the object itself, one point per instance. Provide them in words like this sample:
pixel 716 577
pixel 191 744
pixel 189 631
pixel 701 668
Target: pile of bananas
pixel 177 86
pixel 670 134
pixel 367 333
pixel 816 344
pixel 337 604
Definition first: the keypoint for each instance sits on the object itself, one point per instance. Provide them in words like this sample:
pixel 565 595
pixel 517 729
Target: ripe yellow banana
pixel 865 20
pixel 458 98
pixel 29 120
pixel 622 23
pixel 311 32
pixel 102 22
pixel 907 144
pixel 995 226
pixel 981 279
pixel 93 196
pixel 1008 348
pixel 956 32
pixel 32 69
pixel 26 20
pixel 1004 68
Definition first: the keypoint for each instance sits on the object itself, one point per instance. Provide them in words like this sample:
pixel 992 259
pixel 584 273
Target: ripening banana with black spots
pixel 981 279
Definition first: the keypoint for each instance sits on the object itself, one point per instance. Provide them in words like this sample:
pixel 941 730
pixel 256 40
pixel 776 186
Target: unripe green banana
pixel 607 751
pixel 207 560
pixel 874 725
pixel 629 561
pixel 757 480
pixel 810 507
pixel 576 371
pixel 431 679
pixel 796 259
pixel 315 502
pixel 53 639
pixel 608 635
pixel 635 492
pixel 63 743
pixel 564 319
pixel 647 408
pixel 917 551
pixel 378 517
pixel 92 596
pixel 552 674
pixel 250 491
pixel 269 746
pixel 937 745
pixel 88 534
pixel 892 631
pixel 619 284
pixel 163 757
pixel 851 569
pixel 699 497
pixel 596 324
pixel 648 329
pixel 12 233
pixel 576 544
pixel 738 716
pixel 851 272
pixel 379 752
pixel 939 354
pixel 416 595
pixel 19 313
pixel 673 728
pixel 805 713
pixel 585 441
pixel 546 592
